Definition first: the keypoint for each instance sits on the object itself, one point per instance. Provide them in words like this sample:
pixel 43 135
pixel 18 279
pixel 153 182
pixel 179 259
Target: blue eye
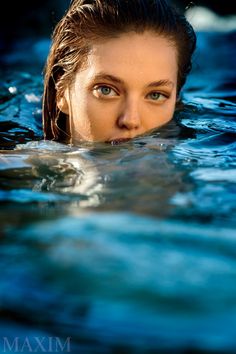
pixel 155 96
pixel 104 91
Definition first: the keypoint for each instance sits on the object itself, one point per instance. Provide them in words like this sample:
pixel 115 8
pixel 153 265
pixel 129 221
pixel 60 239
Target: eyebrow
pixel 108 77
pixel 161 83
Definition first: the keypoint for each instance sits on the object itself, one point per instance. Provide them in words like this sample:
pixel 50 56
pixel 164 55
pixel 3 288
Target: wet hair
pixel 89 20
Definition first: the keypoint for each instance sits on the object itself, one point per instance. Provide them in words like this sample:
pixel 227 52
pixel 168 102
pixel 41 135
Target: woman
pixel 115 70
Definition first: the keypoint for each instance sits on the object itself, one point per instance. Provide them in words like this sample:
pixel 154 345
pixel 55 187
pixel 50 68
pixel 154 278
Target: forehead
pixel 146 54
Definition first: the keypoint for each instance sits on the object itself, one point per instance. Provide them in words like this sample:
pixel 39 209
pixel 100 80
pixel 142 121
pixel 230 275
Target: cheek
pixel 161 114
pixel 169 111
pixel 100 113
pixel 83 110
pixel 171 106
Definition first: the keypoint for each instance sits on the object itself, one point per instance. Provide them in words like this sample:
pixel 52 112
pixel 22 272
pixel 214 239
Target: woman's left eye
pixel 102 91
pixel 157 96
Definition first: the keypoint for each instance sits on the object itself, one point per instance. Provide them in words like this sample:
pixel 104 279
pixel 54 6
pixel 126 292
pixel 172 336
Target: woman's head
pixel 115 69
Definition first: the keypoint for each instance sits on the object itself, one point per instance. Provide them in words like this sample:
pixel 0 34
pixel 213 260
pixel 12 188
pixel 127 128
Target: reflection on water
pixel 127 248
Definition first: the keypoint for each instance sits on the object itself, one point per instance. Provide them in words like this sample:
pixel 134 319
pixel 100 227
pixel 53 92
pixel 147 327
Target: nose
pixel 129 117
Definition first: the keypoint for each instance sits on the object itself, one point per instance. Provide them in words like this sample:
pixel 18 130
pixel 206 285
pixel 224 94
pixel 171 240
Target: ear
pixel 62 104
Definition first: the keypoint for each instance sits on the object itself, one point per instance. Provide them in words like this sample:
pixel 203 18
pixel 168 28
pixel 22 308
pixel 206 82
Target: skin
pixel 127 89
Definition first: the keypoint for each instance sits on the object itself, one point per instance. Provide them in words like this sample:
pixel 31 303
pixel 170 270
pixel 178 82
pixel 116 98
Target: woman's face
pixel 127 89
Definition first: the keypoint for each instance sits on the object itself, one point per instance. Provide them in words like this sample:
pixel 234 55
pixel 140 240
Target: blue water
pixel 128 248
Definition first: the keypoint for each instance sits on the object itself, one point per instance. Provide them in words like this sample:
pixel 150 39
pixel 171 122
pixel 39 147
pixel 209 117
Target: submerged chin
pixel 118 141
pixel 88 139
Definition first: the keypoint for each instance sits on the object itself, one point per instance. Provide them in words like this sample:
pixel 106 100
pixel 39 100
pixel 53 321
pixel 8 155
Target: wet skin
pixel 128 88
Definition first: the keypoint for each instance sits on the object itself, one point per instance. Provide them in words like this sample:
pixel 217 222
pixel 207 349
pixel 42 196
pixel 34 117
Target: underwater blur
pixel 128 248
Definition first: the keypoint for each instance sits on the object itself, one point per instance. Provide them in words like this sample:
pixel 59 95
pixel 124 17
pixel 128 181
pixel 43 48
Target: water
pixel 128 248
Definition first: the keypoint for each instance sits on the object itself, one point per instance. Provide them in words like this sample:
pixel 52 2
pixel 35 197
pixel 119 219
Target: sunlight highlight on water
pixel 127 248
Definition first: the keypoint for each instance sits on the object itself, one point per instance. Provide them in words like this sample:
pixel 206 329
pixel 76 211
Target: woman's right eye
pixel 104 91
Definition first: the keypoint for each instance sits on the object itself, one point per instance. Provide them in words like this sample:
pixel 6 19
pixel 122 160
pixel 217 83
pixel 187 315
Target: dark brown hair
pixel 89 20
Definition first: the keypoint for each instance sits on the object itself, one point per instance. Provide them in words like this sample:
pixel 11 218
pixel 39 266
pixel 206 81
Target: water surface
pixel 128 248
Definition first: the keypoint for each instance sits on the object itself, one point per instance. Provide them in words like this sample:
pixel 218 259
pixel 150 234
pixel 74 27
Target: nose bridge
pixel 130 116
